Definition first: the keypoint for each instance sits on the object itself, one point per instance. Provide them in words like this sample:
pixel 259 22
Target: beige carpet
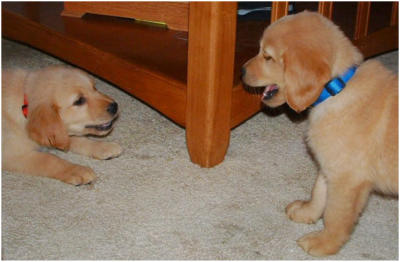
pixel 153 203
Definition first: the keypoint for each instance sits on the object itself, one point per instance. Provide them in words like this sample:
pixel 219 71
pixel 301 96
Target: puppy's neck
pixel 344 58
pixel 335 85
pixel 345 63
pixel 333 103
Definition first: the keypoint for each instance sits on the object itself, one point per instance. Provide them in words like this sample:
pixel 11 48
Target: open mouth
pixel 269 91
pixel 102 127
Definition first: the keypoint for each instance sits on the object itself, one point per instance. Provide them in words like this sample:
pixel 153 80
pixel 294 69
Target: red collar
pixel 25 107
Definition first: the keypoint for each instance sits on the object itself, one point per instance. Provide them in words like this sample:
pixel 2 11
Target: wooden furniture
pixel 173 14
pixel 373 26
pixel 191 77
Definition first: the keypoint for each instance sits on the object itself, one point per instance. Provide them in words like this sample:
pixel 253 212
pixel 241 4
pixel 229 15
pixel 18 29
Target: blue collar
pixel 336 85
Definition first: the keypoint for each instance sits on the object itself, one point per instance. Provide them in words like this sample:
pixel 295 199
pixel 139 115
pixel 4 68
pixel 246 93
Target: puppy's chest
pixel 321 134
pixel 327 133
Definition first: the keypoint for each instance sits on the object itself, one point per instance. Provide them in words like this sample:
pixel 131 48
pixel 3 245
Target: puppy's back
pixel 387 130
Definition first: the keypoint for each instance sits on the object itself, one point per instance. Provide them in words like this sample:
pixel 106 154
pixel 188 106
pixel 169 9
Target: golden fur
pixel 353 135
pixel 63 107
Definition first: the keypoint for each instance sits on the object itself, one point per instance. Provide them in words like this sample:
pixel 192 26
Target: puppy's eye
pixel 80 101
pixel 268 58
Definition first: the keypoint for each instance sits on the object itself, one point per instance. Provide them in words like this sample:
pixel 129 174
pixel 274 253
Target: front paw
pixel 107 150
pixel 320 243
pixel 301 212
pixel 78 175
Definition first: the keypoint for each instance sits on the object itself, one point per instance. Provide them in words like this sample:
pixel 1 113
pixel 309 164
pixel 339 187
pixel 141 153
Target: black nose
pixel 112 108
pixel 243 71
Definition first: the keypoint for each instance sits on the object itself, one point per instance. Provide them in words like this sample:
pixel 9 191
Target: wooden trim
pixel 173 14
pixel 379 42
pixel 212 27
pixel 362 20
pixel 279 9
pixel 394 17
pixel 326 9
pixel 244 105
pixel 72 13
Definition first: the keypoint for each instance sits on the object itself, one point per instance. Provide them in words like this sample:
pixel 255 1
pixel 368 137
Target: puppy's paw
pixel 107 150
pixel 78 175
pixel 320 243
pixel 301 212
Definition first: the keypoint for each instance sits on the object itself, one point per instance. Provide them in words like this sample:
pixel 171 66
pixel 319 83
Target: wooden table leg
pixel 212 35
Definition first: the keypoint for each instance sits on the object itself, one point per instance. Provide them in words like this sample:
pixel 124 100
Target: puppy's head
pixel 62 102
pixel 298 55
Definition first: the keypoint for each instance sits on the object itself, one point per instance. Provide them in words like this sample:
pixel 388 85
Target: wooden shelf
pixel 146 61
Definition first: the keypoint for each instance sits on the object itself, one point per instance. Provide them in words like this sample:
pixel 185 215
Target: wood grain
pixel 326 9
pixel 394 16
pixel 244 105
pixel 174 14
pixel 279 9
pixel 362 20
pixel 379 42
pixel 212 27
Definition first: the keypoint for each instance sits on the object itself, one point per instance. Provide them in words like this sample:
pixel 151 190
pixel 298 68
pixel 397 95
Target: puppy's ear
pixel 306 73
pixel 46 127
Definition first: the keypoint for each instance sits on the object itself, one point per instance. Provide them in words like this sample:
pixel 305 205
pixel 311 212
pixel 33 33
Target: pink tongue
pixel 269 89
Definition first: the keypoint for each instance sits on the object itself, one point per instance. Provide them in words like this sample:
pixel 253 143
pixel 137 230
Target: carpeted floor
pixel 153 203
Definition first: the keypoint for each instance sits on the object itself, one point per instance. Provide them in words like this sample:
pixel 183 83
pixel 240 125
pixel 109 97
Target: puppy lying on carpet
pixel 54 107
pixel 305 60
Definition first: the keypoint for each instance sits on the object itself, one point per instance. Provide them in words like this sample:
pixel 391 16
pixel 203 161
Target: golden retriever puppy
pixel 61 106
pixel 353 125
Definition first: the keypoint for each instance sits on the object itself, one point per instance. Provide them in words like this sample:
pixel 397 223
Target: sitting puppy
pixel 305 60
pixel 61 105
